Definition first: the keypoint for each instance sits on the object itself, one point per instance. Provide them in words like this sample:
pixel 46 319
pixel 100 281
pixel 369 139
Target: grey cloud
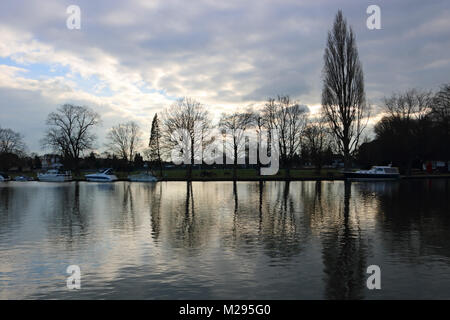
pixel 200 44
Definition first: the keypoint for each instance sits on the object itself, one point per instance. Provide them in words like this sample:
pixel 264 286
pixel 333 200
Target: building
pixel 51 161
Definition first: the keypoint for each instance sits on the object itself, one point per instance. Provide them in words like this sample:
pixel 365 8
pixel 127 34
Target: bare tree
pixel 408 106
pixel 11 142
pixel 124 140
pixel 70 132
pixel 343 96
pixel 318 140
pixel 441 114
pixel 441 103
pixel 260 125
pixel 12 149
pixel 406 112
pixel 189 118
pixel 236 124
pixel 289 120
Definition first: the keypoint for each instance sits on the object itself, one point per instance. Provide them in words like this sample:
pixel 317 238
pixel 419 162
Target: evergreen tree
pixel 154 144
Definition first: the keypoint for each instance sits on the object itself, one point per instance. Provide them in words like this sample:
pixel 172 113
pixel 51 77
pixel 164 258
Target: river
pixel 219 240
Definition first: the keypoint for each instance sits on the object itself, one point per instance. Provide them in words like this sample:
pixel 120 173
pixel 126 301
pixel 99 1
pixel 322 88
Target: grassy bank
pixel 242 175
pixel 219 175
pixel 251 175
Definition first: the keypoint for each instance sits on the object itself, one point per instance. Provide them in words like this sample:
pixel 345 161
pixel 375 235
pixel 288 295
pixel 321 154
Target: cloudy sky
pixel 133 58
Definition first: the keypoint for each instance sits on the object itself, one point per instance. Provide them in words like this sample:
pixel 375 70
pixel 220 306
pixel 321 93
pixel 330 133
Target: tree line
pixel 414 129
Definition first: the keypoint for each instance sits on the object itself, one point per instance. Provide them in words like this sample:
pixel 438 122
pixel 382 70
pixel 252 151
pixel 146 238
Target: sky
pixel 133 58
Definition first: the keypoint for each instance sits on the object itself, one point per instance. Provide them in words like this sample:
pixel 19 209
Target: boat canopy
pixel 380 169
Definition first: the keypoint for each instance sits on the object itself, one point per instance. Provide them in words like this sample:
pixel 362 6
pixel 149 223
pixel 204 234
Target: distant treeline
pixel 414 130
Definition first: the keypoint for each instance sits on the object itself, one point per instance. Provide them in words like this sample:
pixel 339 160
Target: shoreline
pixel 249 176
pixel 417 177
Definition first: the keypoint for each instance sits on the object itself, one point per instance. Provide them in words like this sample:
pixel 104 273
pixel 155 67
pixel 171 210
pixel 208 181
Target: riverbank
pixel 247 175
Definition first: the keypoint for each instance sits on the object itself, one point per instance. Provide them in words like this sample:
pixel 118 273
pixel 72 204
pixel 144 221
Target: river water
pixel 219 240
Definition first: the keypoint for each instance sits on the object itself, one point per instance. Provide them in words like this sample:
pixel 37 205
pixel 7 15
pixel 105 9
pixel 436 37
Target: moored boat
pixel 142 177
pixel 55 175
pixel 4 177
pixel 106 175
pixel 374 173
pixel 23 178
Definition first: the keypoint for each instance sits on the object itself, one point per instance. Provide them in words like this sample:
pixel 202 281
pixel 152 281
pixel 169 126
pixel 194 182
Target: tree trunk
pixel 235 163
pixel 288 169
pixel 409 167
pixel 258 162
pixel 318 164
pixel 189 177
pixel 347 157
pixel 77 166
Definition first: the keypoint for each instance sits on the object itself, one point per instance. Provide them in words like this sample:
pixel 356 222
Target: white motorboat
pixel 375 173
pixel 106 175
pixel 4 177
pixel 142 177
pixel 55 175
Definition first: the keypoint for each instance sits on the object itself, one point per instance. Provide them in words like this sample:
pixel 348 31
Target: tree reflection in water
pixel 344 249
pixel 227 240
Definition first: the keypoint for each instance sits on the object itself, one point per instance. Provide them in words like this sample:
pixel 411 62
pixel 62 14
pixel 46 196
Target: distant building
pixel 436 165
pixel 51 161
pixel 337 163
